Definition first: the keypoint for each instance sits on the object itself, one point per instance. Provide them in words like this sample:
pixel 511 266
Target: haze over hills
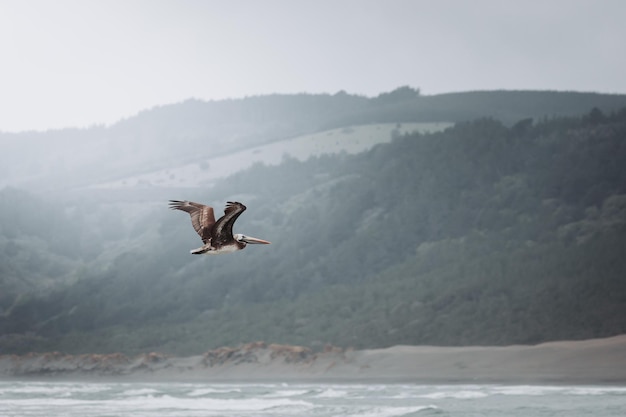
pixel 193 131
pixel 205 172
pixel 504 228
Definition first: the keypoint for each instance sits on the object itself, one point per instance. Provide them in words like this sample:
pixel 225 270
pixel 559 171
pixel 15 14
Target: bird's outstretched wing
pixel 202 217
pixel 223 229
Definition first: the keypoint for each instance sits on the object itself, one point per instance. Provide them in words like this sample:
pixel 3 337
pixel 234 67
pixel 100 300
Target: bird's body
pixel 217 236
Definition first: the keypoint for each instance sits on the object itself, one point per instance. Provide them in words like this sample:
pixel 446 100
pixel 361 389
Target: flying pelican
pixel 217 236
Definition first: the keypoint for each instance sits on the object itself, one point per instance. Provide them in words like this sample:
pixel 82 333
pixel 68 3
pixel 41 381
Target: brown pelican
pixel 217 236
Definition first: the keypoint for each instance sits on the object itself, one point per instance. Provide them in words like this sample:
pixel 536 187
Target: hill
pixel 484 233
pixel 205 172
pixel 194 131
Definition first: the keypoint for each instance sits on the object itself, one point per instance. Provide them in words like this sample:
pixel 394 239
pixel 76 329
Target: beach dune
pixel 595 361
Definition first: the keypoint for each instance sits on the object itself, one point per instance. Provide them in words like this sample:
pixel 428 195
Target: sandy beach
pixel 596 361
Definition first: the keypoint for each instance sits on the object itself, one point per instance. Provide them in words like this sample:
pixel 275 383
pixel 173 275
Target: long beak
pixel 255 241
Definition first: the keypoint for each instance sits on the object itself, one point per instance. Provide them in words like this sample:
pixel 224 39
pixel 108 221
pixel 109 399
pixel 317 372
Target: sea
pixel 114 399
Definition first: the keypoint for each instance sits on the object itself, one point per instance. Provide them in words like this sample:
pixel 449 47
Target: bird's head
pixel 249 239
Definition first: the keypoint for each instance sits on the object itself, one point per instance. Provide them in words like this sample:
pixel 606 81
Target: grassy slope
pixel 206 171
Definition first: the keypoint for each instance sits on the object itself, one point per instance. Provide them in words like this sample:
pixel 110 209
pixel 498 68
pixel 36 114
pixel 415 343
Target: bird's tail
pixel 199 251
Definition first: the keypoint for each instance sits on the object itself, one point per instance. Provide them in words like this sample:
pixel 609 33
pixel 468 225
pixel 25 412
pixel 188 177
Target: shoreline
pixel 585 362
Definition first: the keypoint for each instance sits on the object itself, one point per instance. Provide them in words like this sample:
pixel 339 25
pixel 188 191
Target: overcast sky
pixel 76 63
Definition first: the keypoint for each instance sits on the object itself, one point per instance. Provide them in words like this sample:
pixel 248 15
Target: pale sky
pixel 77 63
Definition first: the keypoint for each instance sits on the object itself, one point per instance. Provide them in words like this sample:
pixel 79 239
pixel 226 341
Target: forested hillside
pixel 485 233
pixel 168 136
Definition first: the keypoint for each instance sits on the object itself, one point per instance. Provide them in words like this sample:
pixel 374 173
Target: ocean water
pixel 81 399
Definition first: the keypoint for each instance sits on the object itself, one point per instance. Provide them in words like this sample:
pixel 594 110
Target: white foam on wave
pixel 407 394
pixel 597 390
pixel 287 393
pixel 49 403
pixel 531 390
pixel 140 391
pixel 538 390
pixel 544 390
pixel 44 388
pixel 167 402
pixel 200 392
pixel 396 411
pixel 332 393
pixel 461 394
pixel 148 406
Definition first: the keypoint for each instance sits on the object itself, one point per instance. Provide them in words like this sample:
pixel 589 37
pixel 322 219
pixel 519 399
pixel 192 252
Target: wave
pixel 141 391
pixel 332 393
pixel 45 399
pixel 397 411
pixel 462 394
pixel 45 388
pixel 167 402
pixel 542 390
pixel 288 393
pixel 201 392
pixel 482 391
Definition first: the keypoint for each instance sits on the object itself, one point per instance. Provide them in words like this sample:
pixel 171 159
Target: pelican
pixel 217 236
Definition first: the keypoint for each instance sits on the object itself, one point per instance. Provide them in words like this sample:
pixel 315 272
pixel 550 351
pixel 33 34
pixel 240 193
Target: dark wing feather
pixel 202 217
pixel 223 228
